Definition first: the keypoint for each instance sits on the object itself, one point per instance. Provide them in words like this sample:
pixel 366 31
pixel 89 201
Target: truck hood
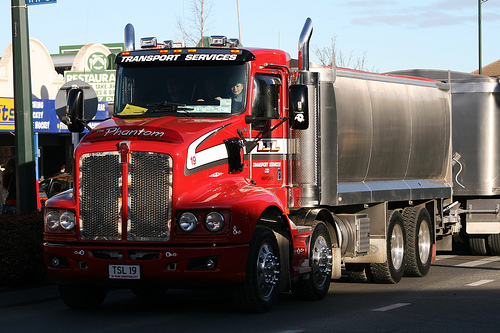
pixel 166 129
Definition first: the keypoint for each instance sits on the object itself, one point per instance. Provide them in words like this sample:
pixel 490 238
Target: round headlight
pixel 68 220
pixel 214 221
pixel 52 220
pixel 188 222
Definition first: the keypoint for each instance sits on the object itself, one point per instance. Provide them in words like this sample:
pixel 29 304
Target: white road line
pixel 479 262
pixel 391 307
pixel 441 257
pixel 478 283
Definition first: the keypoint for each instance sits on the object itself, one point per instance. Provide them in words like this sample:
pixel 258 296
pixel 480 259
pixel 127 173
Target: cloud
pixel 427 14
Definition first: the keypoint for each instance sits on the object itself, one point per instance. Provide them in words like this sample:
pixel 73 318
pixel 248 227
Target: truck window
pixel 199 90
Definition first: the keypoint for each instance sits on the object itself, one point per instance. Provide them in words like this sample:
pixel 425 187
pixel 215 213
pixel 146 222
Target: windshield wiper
pixel 166 106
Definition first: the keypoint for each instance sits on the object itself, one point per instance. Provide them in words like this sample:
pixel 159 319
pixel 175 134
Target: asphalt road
pixel 461 293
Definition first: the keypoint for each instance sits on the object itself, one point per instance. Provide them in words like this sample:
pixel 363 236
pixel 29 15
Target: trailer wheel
pixel 260 289
pixel 82 297
pixel 494 244
pixel 316 285
pixel 418 241
pixel 391 271
pixel 477 245
pixel 359 273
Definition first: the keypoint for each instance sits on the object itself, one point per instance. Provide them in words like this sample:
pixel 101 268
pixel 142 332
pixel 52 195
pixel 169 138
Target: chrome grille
pixel 150 195
pixel 100 186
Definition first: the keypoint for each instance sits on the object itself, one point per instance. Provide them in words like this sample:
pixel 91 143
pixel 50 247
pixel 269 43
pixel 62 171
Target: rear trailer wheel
pixel 316 285
pixel 260 289
pixel 82 297
pixel 418 241
pixel 494 244
pixel 391 271
pixel 358 272
pixel 477 245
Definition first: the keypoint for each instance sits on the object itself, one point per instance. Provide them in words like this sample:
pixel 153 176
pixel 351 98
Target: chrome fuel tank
pixel 379 138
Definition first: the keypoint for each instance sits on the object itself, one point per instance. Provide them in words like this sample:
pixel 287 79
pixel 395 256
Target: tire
pixel 82 297
pixel 259 291
pixel 494 244
pixel 316 285
pixel 477 245
pixel 418 245
pixel 359 273
pixel 391 271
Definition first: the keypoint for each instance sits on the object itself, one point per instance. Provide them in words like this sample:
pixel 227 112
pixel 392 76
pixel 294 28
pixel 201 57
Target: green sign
pixel 99 77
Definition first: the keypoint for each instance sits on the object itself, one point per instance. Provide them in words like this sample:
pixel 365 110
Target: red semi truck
pixel 238 167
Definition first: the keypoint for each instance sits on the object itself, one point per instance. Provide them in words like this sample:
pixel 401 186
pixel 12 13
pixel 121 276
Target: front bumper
pixel 169 266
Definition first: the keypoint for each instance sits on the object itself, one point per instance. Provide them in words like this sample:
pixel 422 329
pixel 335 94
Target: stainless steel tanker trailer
pixel 476 155
pixel 377 156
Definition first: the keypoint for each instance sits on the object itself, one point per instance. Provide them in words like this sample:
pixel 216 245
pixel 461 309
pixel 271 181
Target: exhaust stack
pixel 304 38
pixel 129 37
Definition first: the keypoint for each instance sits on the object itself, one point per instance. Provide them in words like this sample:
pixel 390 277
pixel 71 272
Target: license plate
pixel 125 272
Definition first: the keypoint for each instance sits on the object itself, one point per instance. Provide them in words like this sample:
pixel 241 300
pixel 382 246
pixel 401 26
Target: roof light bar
pixel 218 40
pixel 149 42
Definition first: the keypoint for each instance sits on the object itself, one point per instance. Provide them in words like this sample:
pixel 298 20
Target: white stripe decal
pixel 206 156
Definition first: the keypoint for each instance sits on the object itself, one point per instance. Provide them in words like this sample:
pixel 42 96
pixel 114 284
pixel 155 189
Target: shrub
pixel 21 250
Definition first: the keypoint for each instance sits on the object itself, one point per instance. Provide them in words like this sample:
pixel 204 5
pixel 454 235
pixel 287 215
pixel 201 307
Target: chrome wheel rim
pixel 267 270
pixel 424 241
pixel 397 246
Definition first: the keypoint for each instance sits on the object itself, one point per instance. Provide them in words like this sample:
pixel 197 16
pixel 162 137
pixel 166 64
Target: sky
pixel 388 34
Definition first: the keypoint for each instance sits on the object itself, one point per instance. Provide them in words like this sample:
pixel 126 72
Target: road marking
pixel 479 262
pixel 478 283
pixel 391 307
pixel 441 257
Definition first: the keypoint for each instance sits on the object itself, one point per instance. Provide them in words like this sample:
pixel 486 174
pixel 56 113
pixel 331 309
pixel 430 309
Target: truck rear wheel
pixel 260 289
pixel 494 244
pixel 391 271
pixel 477 245
pixel 418 241
pixel 82 297
pixel 358 272
pixel 316 285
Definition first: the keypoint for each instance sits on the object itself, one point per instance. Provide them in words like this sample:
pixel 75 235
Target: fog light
pixel 210 264
pixel 55 262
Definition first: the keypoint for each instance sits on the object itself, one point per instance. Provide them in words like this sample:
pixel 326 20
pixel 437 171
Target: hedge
pixel 21 250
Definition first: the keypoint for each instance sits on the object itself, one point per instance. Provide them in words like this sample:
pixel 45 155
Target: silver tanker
pixel 476 158
pixel 376 154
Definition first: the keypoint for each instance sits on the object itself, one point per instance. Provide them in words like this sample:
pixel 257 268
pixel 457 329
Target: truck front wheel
pixel 316 285
pixel 82 297
pixel 260 289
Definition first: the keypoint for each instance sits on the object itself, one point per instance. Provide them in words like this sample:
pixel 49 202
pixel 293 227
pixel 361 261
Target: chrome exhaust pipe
pixel 129 37
pixel 304 38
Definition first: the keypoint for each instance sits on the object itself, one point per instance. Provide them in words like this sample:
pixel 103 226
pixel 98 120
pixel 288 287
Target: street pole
pixel 479 28
pixel 25 154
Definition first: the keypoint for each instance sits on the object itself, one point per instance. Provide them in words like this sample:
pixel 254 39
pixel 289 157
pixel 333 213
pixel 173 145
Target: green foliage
pixel 21 250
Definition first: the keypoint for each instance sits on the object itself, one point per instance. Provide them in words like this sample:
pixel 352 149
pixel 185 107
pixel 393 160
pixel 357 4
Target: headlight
pixel 52 220
pixel 67 220
pixel 188 222
pixel 214 221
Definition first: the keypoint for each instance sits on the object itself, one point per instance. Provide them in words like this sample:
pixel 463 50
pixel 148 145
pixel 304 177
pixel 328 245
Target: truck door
pixel 268 161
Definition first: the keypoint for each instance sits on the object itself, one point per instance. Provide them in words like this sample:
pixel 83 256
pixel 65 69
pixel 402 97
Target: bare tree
pixel 199 22
pixel 326 54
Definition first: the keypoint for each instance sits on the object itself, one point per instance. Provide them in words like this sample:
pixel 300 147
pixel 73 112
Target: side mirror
pixel 235 155
pixel 298 106
pixel 74 110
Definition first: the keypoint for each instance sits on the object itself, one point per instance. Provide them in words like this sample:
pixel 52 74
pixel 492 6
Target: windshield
pixel 167 90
